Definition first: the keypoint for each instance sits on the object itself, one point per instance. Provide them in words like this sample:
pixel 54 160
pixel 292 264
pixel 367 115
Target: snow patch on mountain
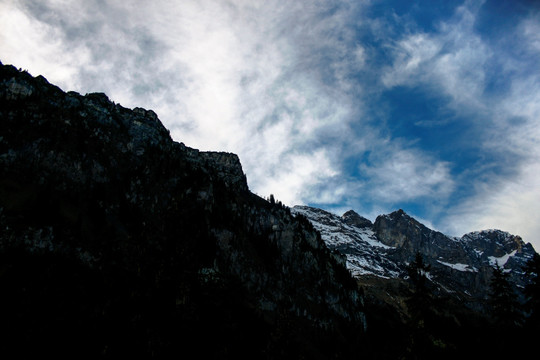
pixel 361 246
pixel 501 261
pixel 459 267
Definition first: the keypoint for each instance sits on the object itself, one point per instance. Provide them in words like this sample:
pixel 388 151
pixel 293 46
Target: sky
pixel 428 106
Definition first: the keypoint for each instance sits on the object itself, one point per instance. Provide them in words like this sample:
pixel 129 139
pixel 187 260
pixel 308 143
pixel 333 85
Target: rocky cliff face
pixel 460 267
pixel 116 240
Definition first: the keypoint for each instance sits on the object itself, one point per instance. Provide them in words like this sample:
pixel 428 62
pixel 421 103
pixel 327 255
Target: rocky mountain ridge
pixel 461 267
pixel 116 241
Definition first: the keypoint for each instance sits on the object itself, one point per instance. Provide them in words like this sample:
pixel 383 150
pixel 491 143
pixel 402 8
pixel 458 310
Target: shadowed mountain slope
pixel 117 241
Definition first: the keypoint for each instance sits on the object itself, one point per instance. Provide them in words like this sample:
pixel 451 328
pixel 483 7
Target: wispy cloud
pixel 451 60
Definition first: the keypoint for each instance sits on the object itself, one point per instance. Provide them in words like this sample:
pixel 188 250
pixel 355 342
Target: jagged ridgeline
pixel 117 241
pixel 432 296
pixel 460 267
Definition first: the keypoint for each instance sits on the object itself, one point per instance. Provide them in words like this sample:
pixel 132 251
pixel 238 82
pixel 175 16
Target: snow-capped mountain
pixel 459 266
pixel 354 239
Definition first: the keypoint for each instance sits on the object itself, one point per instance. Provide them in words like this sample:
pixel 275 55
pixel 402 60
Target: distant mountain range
pixel 460 267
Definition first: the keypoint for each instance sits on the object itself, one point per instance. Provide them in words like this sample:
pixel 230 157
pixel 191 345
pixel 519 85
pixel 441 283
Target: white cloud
pixel 296 176
pixel 410 57
pixel 404 175
pixel 21 33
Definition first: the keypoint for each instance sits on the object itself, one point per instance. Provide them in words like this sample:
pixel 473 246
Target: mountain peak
pixel 353 219
pixel 395 215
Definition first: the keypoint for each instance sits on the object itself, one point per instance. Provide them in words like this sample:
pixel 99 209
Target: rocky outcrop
pixel 401 231
pixel 117 241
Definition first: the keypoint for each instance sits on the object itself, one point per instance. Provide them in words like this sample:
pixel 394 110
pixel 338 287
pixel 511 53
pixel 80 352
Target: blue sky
pixel 430 106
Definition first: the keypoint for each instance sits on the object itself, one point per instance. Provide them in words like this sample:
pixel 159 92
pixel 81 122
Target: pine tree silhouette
pixel 503 299
pixel 420 301
pixel 420 306
pixel 532 292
